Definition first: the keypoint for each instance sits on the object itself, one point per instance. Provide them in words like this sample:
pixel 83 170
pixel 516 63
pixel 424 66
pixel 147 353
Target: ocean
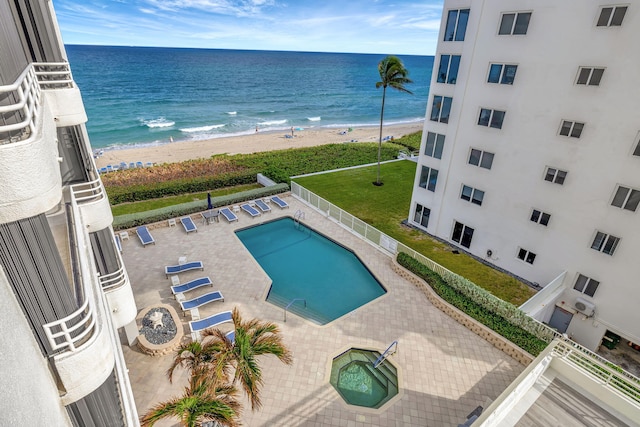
pixel 145 96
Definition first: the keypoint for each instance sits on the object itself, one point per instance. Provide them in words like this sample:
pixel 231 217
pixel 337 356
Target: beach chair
pixel 132 165
pixel 250 210
pixel 228 215
pixel 181 268
pixel 145 237
pixel 208 322
pixel 200 301
pixel 278 201
pixel 231 335
pixel 188 224
pixel 191 285
pixel 262 206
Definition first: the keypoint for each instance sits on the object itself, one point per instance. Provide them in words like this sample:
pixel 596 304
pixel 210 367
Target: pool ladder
pixel 386 354
pixel 291 303
pixel 298 216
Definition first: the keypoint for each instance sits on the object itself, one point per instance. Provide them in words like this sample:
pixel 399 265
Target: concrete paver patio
pixel 445 370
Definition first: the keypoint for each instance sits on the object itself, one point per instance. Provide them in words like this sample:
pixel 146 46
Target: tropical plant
pixel 394 75
pixel 203 400
pixel 253 338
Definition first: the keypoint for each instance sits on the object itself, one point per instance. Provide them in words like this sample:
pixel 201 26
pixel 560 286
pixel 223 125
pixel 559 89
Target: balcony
pixel 61 93
pixel 83 354
pixel 93 203
pixel 117 289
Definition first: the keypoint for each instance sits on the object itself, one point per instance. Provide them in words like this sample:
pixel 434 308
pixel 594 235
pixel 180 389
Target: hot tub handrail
pixel 386 353
pixel 290 303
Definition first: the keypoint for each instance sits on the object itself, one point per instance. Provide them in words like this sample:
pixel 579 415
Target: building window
pixel 434 145
pixel 611 16
pixel 526 256
pixel 462 234
pixel 422 215
pixel 472 195
pixel 491 118
pixel 555 175
pixel 589 76
pixel 514 23
pixel 636 151
pixel 572 129
pixel 540 217
pixel 448 71
pixel 483 159
pixel 626 198
pixel 428 178
pixel 441 108
pixel 502 74
pixel 586 285
pixel 456 25
pixel 605 243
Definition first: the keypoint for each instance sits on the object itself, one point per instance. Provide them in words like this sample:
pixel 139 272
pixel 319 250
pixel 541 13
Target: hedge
pixel 520 337
pixel 140 218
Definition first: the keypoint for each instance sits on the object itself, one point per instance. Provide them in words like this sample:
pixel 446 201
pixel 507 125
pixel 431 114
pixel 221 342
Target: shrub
pixel 140 218
pixel 517 335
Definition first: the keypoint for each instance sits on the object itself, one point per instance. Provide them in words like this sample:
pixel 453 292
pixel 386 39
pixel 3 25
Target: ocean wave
pixel 158 123
pixel 232 113
pixel 201 128
pixel 314 119
pixel 273 122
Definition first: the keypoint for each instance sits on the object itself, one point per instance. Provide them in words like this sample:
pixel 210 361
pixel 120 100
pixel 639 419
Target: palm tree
pixel 394 75
pixel 203 400
pixel 253 338
pixel 190 356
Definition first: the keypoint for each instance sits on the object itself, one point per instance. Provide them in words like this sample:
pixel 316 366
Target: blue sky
pixel 408 27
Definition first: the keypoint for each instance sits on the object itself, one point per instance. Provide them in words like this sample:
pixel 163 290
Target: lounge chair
pixel 231 335
pixel 228 215
pixel 189 286
pixel 188 224
pixel 181 268
pixel 250 210
pixel 145 237
pixel 262 206
pixel 201 300
pixel 208 322
pixel 278 201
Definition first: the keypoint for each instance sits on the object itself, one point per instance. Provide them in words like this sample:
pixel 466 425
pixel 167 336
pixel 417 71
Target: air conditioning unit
pixel 584 306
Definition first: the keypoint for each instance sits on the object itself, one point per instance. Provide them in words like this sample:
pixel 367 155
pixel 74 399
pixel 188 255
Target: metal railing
pixel 19 117
pixel 115 280
pixel 87 192
pixel 291 303
pixel 386 354
pixel 53 75
pixel 74 330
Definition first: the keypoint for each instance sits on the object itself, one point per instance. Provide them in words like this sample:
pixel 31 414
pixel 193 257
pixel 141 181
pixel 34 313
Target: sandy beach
pixel 261 141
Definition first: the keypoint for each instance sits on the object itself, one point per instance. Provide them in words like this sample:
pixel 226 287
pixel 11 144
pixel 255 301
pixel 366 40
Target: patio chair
pixel 231 335
pixel 262 206
pixel 250 210
pixel 200 301
pixel 208 322
pixel 278 201
pixel 181 268
pixel 228 215
pixel 145 237
pixel 189 286
pixel 188 224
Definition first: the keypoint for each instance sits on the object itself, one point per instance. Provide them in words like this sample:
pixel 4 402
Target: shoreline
pixel 178 151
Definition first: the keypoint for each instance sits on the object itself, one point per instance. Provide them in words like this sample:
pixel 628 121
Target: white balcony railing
pixel 87 192
pixel 53 75
pixel 115 280
pixel 69 333
pixel 19 118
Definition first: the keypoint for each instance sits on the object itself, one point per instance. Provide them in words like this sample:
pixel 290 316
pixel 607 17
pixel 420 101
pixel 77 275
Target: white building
pixel 530 158
pixel 64 290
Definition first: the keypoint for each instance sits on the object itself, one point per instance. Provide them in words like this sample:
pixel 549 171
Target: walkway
pixel 446 371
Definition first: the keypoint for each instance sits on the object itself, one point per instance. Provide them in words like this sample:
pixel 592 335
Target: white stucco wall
pixel 28 396
pixel 544 94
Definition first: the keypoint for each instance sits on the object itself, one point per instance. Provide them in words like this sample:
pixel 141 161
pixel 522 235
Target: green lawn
pixel 147 205
pixel 387 206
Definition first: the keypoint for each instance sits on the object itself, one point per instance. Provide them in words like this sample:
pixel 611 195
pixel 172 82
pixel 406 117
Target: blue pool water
pixel 304 264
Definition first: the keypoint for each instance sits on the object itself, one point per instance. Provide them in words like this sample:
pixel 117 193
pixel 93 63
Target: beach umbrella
pixel 209 204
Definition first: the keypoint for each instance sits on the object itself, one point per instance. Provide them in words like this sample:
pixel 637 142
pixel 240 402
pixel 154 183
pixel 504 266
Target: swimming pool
pixel 303 263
